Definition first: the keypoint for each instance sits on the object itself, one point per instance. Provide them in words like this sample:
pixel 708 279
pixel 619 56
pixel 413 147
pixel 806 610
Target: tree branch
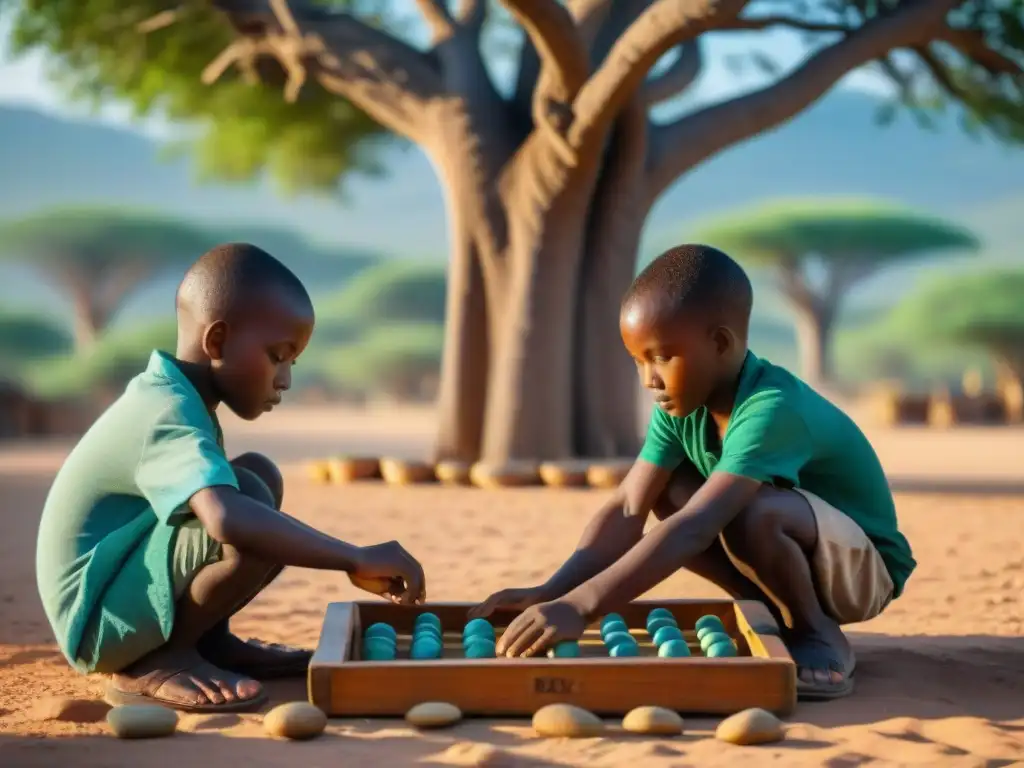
pixel 972 45
pixel 683 144
pixel 440 21
pixel 381 75
pixel 664 24
pixel 765 22
pixel 679 76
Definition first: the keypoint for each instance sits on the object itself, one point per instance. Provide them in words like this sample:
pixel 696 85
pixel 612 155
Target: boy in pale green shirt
pixel 151 539
pixel 765 487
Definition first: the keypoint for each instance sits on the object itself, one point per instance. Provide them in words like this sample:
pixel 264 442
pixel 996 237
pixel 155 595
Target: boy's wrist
pixel 585 600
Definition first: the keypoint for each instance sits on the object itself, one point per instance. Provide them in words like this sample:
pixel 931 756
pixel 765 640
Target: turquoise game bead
pixel 427 630
pixel 713 637
pixel 381 630
pixel 612 627
pixel 430 619
pixel 709 621
pixel 378 649
pixel 567 649
pixel 706 630
pixel 721 649
pixel 425 648
pixel 479 648
pixel 664 634
pixel 610 618
pixel 660 613
pixel 656 624
pixel 615 638
pixel 625 649
pixel 674 649
pixel 478 628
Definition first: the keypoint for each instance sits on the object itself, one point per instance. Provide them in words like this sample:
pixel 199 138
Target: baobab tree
pixel 98 257
pixel 547 186
pixel 844 241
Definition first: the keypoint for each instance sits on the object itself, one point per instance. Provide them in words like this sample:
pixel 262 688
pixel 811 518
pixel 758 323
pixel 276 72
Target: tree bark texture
pixel 548 189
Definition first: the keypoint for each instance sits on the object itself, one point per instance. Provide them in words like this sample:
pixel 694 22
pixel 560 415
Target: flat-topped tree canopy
pixel 548 179
pixel 833 229
pixel 847 239
pixel 99 256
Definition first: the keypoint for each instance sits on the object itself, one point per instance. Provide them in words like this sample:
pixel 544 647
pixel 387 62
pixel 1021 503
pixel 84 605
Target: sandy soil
pixel 941 674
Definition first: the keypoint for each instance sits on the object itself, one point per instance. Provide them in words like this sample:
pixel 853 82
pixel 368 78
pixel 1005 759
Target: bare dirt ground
pixel 941 673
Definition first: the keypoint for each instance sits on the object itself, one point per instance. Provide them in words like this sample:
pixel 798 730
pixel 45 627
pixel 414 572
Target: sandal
pixel 155 680
pixel 813 654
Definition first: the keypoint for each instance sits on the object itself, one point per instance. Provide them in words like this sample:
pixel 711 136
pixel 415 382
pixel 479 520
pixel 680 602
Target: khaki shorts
pixel 852 581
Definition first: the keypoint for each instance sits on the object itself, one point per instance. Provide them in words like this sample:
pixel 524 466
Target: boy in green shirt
pixel 151 539
pixel 764 487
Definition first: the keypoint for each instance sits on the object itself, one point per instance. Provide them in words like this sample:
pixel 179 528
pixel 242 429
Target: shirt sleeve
pixel 178 460
pixel 767 440
pixel 663 447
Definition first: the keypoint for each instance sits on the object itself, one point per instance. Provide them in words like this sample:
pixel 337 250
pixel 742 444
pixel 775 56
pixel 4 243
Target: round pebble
pixel 720 650
pixel 567 649
pixel 479 648
pixel 296 720
pixel 660 613
pixel 427 618
pixel 610 618
pixel 656 624
pixel 379 649
pixel 625 649
pixel 566 721
pixel 142 721
pixel 664 634
pixel 708 621
pixel 711 638
pixel 751 726
pixel 425 648
pixel 433 714
pixel 674 649
pixel 478 628
pixel 614 638
pixel 653 721
pixel 612 627
pixel 381 630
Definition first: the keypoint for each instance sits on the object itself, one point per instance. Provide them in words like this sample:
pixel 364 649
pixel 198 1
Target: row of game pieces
pixel 380 640
pixel 667 636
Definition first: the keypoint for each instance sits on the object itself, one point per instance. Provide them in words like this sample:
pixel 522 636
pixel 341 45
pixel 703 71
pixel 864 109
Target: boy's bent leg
pixel 259 479
pixel 176 674
pixel 800 555
pixel 714 563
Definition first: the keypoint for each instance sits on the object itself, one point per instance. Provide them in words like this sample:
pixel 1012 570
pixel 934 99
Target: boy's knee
pixel 246 567
pixel 772 514
pixel 259 478
pixel 681 487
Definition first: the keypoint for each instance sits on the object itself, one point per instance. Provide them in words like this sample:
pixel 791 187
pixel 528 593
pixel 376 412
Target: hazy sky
pixel 24 82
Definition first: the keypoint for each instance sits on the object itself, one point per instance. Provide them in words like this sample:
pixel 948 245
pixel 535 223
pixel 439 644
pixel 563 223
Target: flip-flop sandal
pixel 295 665
pixel 117 697
pixel 815 655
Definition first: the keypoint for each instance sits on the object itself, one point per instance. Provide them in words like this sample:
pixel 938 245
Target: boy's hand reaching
pixel 389 571
pixel 516 599
pixel 540 627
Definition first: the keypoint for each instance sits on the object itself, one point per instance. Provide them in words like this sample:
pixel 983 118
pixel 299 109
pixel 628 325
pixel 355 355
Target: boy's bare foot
pixel 254 658
pixel 185 681
pixel 825 663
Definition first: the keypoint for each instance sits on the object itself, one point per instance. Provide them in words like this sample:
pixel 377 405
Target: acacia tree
pixel 844 242
pixel 547 187
pixel 983 310
pixel 98 258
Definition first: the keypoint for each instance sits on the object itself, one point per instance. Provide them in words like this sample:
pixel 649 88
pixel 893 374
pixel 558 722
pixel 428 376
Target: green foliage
pixel 101 238
pixel 390 292
pixel 392 359
pixel 789 230
pixel 98 53
pixel 119 355
pixel 25 338
pixel 982 309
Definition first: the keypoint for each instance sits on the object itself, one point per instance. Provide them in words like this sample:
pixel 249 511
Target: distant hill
pixel 833 149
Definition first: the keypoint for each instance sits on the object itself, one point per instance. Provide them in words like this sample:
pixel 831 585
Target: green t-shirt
pixel 112 515
pixel 783 432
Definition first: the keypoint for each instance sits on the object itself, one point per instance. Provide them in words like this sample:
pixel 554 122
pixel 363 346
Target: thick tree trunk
pixel 88 319
pixel 814 326
pixel 1010 383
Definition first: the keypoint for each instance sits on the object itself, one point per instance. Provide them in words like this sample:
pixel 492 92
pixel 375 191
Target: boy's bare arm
pixel 239 521
pixel 669 546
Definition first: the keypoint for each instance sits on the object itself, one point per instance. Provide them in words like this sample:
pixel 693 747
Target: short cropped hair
pixel 229 277
pixel 696 280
